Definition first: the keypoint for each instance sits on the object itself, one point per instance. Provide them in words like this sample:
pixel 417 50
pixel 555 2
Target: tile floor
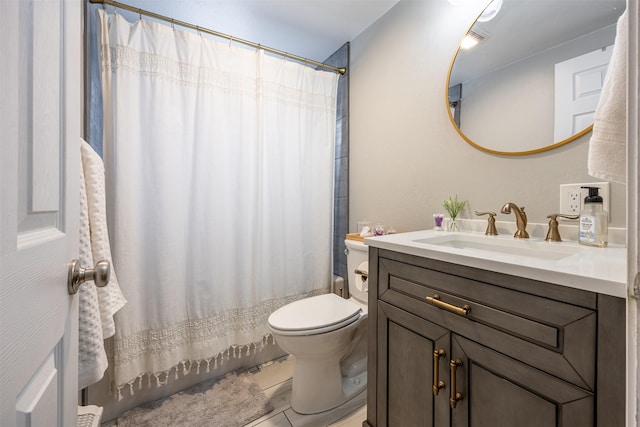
pixel 275 379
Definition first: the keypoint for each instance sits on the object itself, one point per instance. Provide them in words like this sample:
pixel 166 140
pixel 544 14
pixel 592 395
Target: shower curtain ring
pixel 140 13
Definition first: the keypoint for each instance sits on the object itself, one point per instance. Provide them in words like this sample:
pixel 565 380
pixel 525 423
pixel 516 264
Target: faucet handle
pixel 491 225
pixel 553 234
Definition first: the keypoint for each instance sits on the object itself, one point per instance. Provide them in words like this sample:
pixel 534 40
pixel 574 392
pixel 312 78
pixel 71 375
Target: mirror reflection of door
pixel 578 83
pixel 507 80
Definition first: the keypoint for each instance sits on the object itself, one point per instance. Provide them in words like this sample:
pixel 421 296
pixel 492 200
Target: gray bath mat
pixel 233 401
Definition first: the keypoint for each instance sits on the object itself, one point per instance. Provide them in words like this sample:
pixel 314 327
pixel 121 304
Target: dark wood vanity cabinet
pixel 489 349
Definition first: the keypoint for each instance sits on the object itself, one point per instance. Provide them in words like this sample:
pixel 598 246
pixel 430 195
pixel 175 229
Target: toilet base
pixel 306 398
pixel 354 386
pixel 330 367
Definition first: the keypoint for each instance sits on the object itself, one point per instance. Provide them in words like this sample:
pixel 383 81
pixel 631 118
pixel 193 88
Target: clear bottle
pixel 594 221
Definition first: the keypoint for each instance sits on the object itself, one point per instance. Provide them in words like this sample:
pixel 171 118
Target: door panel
pixel 488 388
pixel 39 399
pixel 500 391
pixel 578 83
pixel 39 172
pixel 406 371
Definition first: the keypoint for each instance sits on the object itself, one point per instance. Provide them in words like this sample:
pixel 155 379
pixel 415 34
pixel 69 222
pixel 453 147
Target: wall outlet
pixel 572 196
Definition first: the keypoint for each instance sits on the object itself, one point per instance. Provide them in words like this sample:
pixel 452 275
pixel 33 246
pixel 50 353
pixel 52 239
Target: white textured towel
pixel 110 297
pixel 608 144
pixel 92 360
pixel 97 305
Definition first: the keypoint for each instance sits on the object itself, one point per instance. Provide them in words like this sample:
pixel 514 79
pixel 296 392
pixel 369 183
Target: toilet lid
pixel 321 313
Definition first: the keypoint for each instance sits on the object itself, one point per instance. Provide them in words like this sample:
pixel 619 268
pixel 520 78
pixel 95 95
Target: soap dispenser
pixel 594 221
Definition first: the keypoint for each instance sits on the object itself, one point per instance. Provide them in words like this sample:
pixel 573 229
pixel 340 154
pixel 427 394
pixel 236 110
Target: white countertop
pixel 601 270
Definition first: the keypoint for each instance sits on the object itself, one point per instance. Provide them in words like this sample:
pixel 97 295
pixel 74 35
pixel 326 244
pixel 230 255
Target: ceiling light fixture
pixel 470 40
pixel 490 11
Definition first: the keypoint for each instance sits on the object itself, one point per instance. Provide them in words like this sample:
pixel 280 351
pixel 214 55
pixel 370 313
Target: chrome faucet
pixel 521 219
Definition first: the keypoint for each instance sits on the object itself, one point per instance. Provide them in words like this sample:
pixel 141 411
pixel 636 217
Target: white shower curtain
pixel 219 165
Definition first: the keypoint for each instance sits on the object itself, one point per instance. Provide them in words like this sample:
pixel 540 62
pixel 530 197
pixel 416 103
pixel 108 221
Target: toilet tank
pixel 357 259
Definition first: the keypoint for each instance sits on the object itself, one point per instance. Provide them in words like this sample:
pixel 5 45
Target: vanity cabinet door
pixel 497 390
pixel 549 334
pixel 525 353
pixel 406 346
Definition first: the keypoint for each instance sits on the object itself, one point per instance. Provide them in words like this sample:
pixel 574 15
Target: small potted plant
pixel 454 207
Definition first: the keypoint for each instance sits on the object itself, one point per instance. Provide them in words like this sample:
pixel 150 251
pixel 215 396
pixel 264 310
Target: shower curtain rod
pixel 124 6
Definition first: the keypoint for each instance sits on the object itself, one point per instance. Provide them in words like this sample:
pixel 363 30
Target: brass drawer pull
pixel 462 311
pixel 437 385
pixel 455 397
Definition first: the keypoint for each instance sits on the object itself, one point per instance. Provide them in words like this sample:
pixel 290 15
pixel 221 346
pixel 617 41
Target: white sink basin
pixel 601 270
pixel 511 246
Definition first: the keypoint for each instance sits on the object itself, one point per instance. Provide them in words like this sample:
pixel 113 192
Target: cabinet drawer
pixel 514 324
pixel 544 332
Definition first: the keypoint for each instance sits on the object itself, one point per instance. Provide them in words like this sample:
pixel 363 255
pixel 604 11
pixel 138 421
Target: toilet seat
pixel 314 315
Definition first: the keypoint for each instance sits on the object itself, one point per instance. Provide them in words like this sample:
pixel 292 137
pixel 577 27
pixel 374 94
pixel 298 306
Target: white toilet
pixel 327 335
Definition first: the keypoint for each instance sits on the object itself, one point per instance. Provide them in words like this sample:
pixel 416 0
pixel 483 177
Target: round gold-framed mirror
pixel 532 82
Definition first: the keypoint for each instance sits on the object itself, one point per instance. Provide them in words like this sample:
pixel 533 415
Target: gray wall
pixel 406 157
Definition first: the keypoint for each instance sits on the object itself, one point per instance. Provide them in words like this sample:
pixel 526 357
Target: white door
pixel 40 118
pixel 633 213
pixel 578 83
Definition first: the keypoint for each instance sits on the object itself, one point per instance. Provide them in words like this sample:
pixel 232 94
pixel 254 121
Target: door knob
pixel 77 275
